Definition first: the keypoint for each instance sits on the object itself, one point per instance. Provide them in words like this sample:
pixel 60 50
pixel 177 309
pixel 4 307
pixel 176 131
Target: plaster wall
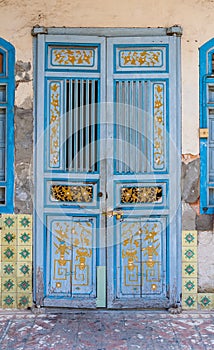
pixel 195 16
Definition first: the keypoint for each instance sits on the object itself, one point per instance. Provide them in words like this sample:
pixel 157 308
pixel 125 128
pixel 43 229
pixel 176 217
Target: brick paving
pixel 106 330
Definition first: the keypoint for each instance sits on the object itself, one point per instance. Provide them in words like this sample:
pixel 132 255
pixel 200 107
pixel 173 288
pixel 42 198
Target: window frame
pixel 206 78
pixel 7 78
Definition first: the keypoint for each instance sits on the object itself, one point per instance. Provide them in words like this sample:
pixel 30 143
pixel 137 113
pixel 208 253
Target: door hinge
pixel 203 133
pixel 39 30
pixel 174 30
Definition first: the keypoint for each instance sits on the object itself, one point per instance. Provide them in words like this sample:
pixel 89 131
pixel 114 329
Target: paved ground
pixel 106 330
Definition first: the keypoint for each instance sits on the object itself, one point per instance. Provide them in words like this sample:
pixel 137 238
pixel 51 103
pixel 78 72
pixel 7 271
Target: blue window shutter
pixel 206 53
pixel 7 89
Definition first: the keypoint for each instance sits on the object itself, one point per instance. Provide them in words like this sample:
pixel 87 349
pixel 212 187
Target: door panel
pixel 105 180
pixel 140 175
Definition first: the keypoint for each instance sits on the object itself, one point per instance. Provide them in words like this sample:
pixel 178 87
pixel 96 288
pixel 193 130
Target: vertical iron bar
pixel 87 126
pixel 126 153
pixel 75 125
pixel 92 125
pixel 120 127
pixel 81 126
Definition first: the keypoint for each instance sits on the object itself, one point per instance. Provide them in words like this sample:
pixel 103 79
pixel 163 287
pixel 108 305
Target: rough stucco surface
pixel 23 138
pixel 196 18
pixel 206 262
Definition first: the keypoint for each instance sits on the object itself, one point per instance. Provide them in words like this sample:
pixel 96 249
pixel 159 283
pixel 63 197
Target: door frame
pixel 175 32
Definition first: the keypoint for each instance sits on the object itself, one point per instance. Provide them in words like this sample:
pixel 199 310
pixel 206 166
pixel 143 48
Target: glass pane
pixel 212 63
pixel 1 63
pixel 211 196
pixel 2 195
pixel 2 142
pixel 211 93
pixel 2 93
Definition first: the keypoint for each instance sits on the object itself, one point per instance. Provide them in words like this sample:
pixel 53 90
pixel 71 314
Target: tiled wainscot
pixel 191 299
pixel 16 261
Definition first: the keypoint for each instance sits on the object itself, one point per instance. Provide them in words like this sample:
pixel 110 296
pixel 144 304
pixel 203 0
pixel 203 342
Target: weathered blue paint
pixel 206 80
pixel 7 80
pixel 146 241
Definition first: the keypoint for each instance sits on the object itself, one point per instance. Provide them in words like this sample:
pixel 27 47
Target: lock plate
pixel 203 133
pixel 118 213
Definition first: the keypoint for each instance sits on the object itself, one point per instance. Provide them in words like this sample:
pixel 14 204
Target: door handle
pixel 117 212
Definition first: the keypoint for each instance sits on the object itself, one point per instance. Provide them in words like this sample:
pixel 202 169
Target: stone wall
pixel 193 220
pixel 23 139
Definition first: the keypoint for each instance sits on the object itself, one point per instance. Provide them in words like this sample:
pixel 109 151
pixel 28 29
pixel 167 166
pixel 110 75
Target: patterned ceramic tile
pixel 189 270
pixel 189 285
pixel 16 261
pixel 8 284
pixel 8 269
pixel 206 301
pixel 24 269
pixel 25 237
pixel 189 301
pixel 9 300
pixel 189 238
pixel 24 285
pixel 24 253
pixel 189 254
pixel 24 300
pixel 24 222
pixel 8 254
pixel 1 221
pixel 8 237
pixel 9 221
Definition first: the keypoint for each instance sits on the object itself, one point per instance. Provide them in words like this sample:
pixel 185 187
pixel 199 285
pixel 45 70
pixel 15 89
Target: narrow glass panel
pixel 211 196
pixel 1 63
pixel 2 93
pixel 2 142
pixel 2 195
pixel 212 63
pixel 211 93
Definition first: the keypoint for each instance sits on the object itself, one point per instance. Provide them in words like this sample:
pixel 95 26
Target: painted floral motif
pixel 24 300
pixel 8 269
pixel 54 123
pixel 25 237
pixel 189 285
pixel 189 269
pixel 9 253
pixel 189 238
pixel 25 222
pixel 73 57
pixel 9 221
pixel 24 253
pixel 205 301
pixel 24 285
pixel 189 254
pixel 144 58
pixel 9 284
pixel 141 246
pixel 159 124
pixel 9 300
pixel 25 269
pixel 9 237
pixel 190 301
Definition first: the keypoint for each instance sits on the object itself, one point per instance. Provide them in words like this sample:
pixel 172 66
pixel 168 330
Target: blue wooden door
pixel 107 204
